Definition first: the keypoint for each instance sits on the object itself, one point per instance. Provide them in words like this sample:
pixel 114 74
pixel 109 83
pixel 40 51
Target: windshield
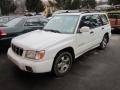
pixel 62 23
pixel 13 22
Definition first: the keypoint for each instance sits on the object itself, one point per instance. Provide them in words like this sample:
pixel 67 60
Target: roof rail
pixel 88 10
pixel 76 11
pixel 71 11
pixel 81 10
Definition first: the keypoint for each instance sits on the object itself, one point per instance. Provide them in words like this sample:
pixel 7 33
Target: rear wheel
pixel 62 63
pixel 104 42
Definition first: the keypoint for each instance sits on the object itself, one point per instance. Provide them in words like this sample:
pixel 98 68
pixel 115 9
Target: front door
pixel 84 40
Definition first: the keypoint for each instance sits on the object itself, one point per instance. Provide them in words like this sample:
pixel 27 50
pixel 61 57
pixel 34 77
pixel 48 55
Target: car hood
pixel 38 39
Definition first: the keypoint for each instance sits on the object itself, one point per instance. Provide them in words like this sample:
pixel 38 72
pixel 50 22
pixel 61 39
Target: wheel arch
pixel 107 34
pixel 68 49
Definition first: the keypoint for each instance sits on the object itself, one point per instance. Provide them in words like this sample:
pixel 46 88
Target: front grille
pixel 17 50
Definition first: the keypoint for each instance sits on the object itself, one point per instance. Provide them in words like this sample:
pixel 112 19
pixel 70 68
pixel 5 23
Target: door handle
pixel 91 32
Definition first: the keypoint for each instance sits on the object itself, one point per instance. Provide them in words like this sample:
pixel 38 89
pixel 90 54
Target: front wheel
pixel 104 42
pixel 62 64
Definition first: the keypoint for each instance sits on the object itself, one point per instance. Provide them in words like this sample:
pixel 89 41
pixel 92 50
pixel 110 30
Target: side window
pixel 11 18
pixel 96 21
pixel 34 22
pixel 104 19
pixel 85 21
pixel 4 19
pixel 91 21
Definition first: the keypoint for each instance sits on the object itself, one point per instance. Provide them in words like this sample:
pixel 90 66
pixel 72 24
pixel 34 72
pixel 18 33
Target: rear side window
pixel 104 19
pixel 96 21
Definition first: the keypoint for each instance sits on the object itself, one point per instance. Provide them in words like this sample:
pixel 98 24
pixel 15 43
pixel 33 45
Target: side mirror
pixel 84 29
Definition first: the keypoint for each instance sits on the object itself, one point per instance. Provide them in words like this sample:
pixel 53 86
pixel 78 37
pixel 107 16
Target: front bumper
pixel 30 66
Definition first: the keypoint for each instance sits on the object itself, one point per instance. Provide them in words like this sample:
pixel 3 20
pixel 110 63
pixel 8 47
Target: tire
pixel 62 64
pixel 104 42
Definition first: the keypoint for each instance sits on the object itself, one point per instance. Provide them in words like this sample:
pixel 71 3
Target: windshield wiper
pixel 55 31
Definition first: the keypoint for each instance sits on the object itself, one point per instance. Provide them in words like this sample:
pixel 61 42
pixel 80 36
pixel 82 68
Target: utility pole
pixel 0 11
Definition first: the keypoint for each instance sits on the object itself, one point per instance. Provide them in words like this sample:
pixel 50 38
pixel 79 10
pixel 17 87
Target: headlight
pixel 35 54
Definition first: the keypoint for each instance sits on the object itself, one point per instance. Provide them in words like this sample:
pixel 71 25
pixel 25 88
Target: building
pixel 21 8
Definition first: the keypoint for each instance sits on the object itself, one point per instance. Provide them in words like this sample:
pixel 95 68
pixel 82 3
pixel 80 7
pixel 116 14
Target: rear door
pixel 105 23
pixel 97 29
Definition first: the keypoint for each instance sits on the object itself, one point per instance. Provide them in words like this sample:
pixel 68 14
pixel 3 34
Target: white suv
pixel 65 37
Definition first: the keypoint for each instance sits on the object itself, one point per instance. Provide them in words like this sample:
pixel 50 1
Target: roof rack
pixel 76 11
pixel 81 10
pixel 88 10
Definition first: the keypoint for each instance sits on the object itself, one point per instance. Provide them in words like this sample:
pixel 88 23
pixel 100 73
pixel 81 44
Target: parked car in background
pixel 114 18
pixel 63 39
pixel 5 19
pixel 19 26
